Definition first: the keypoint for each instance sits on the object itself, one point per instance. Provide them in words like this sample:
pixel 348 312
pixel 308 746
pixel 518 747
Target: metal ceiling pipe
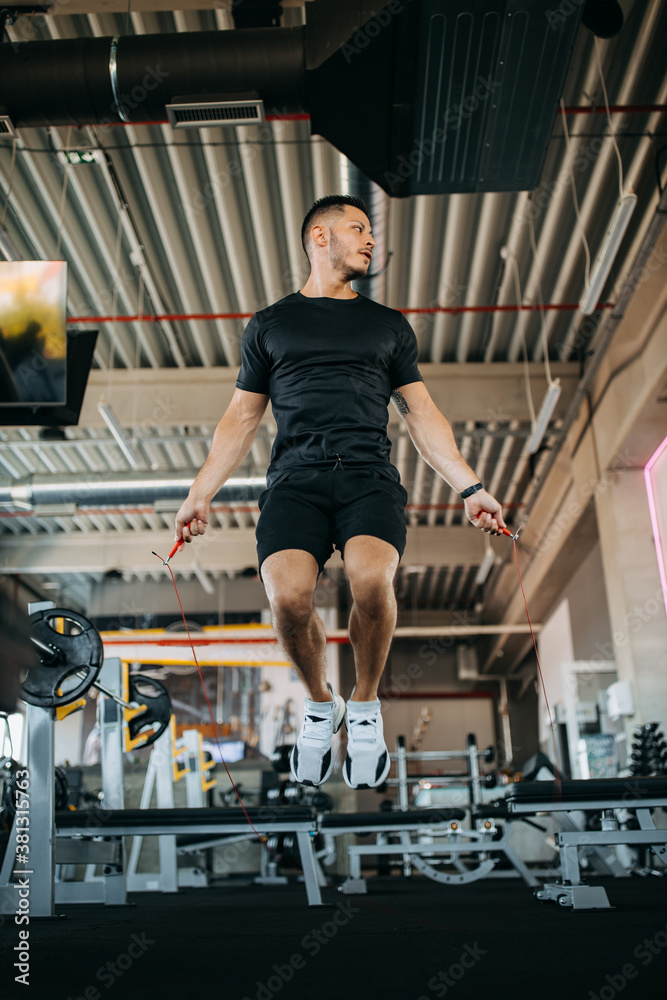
pixel 79 81
pixel 117 489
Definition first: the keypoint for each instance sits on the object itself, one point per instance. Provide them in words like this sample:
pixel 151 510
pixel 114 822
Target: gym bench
pixel 605 795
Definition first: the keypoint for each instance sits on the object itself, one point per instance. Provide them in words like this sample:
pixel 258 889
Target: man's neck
pixel 327 286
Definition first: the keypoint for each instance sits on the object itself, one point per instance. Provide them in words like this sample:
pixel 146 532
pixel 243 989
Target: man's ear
pixel 318 235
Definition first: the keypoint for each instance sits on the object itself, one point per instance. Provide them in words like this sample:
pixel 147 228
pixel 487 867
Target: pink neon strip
pixel 654 518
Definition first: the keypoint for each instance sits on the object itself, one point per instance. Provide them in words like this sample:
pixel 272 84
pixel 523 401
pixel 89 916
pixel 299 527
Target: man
pixel 330 360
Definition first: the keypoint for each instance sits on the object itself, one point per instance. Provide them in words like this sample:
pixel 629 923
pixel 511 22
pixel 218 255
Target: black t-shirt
pixel 329 366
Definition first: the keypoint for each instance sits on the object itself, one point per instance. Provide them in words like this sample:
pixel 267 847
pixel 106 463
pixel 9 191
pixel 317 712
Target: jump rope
pixel 178 545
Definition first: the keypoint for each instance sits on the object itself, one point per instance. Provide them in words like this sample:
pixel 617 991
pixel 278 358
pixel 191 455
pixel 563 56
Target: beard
pixel 338 259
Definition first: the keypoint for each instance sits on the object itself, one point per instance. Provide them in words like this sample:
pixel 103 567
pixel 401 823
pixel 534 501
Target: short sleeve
pixel 403 368
pixel 255 363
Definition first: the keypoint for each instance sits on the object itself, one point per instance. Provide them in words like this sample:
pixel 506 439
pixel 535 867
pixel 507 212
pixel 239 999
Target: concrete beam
pixel 233 550
pixel 168 397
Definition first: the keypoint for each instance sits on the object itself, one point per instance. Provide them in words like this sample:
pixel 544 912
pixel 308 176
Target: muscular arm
pixel 232 441
pixel 433 438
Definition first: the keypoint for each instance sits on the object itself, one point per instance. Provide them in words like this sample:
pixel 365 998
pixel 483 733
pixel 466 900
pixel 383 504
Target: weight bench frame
pixel 206 823
pixel 428 822
pixel 640 795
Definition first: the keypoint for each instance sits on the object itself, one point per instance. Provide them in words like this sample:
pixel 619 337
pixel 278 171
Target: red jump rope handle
pixel 177 546
pixel 504 531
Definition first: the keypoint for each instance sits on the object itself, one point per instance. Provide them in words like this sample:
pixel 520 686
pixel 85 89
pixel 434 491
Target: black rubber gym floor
pixel 406 940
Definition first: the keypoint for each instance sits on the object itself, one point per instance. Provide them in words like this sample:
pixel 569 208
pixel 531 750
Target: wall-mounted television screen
pixel 33 332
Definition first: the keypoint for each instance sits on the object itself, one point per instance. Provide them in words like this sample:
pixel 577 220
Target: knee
pixel 291 607
pixel 373 592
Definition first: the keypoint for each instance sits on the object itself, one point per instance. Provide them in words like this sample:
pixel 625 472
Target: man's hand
pixel 192 519
pixel 485 512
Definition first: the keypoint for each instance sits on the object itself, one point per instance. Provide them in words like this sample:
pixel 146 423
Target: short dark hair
pixel 322 206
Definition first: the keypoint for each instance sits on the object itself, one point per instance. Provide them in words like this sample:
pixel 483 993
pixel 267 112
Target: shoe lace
pixel 316 730
pixel 363 730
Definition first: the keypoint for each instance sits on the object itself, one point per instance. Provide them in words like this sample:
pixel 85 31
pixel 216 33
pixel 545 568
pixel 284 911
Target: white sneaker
pixel 311 760
pixel 367 762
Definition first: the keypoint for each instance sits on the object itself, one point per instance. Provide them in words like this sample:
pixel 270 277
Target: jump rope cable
pixel 210 710
pixel 557 777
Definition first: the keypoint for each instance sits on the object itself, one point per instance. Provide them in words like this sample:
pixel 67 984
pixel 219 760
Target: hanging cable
pixel 539 669
pixel 63 194
pixel 114 295
pixel 611 128
pixel 137 350
pixel 575 200
pixel 507 255
pixel 545 343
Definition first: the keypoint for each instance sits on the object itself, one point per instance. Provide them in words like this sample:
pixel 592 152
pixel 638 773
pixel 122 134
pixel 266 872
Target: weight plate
pixel 149 692
pixel 69 662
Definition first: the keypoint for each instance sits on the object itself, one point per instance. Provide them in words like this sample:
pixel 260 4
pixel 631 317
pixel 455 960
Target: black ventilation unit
pixel 445 95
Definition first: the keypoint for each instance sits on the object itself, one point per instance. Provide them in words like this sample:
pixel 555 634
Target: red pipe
pixel 431 695
pixel 220 508
pixel 454 310
pixel 572 109
pixel 626 109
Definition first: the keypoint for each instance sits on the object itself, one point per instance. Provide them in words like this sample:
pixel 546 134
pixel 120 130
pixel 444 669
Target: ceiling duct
pixel 117 490
pixel 426 97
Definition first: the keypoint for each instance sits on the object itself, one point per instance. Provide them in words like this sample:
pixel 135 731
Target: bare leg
pixel 290 577
pixel 371 565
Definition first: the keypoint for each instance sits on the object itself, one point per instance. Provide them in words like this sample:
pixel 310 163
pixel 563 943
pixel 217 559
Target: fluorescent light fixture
pixel 109 418
pixel 544 416
pixel 7 127
pixel 619 224
pixel 655 521
pixel 203 579
pixel 485 567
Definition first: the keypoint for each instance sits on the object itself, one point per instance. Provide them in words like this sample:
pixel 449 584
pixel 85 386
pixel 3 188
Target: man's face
pixel 350 246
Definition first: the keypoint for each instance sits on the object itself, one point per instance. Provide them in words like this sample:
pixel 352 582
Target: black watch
pixel 471 489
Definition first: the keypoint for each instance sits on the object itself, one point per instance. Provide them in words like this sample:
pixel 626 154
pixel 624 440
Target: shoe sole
pixel 339 717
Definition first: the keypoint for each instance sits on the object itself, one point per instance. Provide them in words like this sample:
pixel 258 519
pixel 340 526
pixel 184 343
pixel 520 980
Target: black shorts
pixel 317 511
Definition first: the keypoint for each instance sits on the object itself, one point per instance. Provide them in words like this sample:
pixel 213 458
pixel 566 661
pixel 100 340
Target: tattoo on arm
pixel 398 399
